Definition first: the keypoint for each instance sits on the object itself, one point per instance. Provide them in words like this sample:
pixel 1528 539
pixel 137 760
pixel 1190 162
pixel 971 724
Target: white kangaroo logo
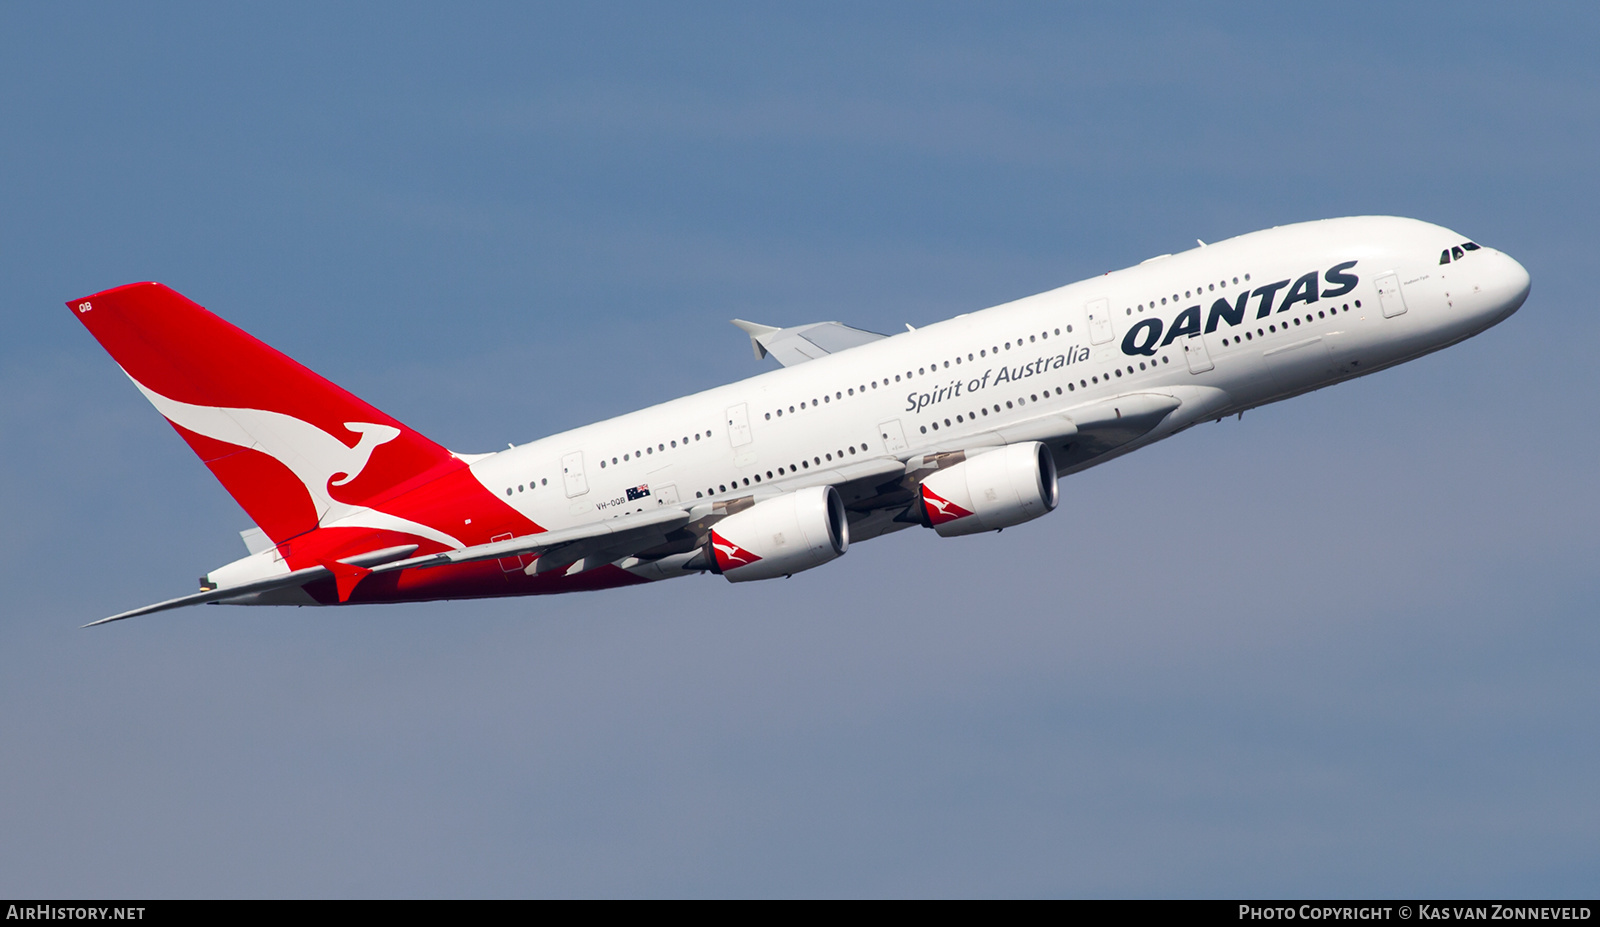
pixel 315 457
pixel 732 551
pixel 371 436
pixel 943 506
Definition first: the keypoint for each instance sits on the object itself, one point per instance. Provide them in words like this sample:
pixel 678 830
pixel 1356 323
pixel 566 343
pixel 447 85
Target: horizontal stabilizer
pixel 281 581
pixel 296 578
pixel 790 346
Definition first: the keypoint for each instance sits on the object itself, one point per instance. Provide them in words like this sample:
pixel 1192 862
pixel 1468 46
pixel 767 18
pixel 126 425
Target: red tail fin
pixel 291 447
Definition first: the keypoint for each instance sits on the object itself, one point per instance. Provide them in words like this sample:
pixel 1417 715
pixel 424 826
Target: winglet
pixel 800 343
pixel 756 331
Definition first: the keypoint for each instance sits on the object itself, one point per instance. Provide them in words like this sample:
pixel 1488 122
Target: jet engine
pixel 780 536
pixel 989 491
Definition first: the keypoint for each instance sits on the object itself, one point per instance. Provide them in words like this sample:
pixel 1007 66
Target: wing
pixel 790 346
pixel 564 547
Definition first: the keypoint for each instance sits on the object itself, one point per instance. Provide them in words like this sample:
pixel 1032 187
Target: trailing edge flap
pixel 295 578
pixel 790 346
pixel 641 530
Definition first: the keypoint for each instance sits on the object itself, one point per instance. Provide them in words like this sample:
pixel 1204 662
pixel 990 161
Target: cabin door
pixel 572 474
pixel 739 425
pixel 894 437
pixel 1389 296
pixel 1099 313
pixel 510 564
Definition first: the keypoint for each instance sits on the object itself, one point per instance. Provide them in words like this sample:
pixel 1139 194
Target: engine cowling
pixel 780 536
pixel 990 491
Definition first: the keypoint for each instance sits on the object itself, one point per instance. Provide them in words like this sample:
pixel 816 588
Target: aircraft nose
pixel 1505 284
pixel 1499 285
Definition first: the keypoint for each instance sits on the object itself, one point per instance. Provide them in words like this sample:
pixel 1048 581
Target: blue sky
pixel 1344 646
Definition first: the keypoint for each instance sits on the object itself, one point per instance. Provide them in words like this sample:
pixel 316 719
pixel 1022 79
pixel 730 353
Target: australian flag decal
pixel 638 492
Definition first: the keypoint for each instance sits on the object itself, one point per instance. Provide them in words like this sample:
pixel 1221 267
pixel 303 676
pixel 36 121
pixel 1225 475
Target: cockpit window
pixel 1469 246
pixel 1444 256
pixel 1457 253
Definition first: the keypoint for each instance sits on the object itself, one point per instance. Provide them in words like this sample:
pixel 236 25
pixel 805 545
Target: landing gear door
pixel 510 564
pixel 1389 296
pixel 1099 313
pixel 1194 351
pixel 572 474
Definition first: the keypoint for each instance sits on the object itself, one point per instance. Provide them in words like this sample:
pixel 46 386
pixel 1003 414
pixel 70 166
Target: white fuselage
pixel 1173 326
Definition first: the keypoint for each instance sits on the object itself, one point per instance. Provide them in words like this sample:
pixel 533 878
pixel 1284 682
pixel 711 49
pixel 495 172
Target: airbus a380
pixel 962 427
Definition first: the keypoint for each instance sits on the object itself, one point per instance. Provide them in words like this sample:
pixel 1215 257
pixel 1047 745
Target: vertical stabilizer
pixel 292 448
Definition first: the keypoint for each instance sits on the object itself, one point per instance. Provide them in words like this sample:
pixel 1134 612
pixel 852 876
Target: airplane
pixel 963 427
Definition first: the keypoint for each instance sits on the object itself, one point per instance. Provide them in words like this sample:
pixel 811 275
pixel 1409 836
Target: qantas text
pixel 1145 336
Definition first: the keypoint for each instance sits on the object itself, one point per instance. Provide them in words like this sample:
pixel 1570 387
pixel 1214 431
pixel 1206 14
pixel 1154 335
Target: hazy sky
pixel 1345 646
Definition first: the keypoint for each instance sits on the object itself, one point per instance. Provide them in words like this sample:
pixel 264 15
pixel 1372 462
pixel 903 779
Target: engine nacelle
pixel 780 536
pixel 990 491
